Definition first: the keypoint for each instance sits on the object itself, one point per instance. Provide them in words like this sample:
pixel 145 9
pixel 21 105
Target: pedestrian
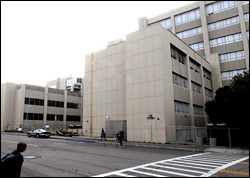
pixel 103 134
pixel 11 164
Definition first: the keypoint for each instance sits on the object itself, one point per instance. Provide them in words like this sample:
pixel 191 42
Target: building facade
pixel 217 30
pixel 151 73
pixel 28 107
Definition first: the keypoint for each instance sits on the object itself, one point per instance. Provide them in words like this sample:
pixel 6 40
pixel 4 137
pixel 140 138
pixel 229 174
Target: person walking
pixel 11 164
pixel 103 134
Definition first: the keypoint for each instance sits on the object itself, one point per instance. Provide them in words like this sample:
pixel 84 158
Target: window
pixel 198 110
pixel 230 74
pixel 246 17
pixel 32 101
pixel 188 33
pixel 225 40
pixel 194 66
pixel 73 105
pixel 166 23
pixel 26 101
pixel 50 117
pixel 196 87
pixel 206 74
pixel 181 107
pixel 187 17
pixel 220 6
pixel 59 117
pixel 223 23
pixel 208 93
pixel 197 46
pixel 73 118
pixel 177 54
pixel 179 80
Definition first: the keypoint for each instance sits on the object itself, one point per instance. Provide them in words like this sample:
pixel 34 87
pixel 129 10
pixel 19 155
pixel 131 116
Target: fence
pixel 223 136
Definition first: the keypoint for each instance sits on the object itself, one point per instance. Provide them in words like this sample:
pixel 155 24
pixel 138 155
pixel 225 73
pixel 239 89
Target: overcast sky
pixel 44 40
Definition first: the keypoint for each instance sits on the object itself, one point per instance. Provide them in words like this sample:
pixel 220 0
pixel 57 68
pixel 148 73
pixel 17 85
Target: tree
pixel 231 103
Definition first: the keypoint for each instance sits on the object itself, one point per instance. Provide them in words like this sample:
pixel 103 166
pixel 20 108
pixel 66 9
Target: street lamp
pixel 151 118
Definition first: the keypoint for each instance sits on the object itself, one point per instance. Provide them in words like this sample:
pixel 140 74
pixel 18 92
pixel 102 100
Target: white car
pixel 38 133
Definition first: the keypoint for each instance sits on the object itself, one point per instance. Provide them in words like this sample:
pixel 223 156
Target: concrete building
pixel 151 73
pixel 217 30
pixel 28 106
pixel 67 83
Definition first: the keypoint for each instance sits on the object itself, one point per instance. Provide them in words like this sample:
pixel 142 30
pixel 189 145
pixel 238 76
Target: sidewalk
pixel 172 146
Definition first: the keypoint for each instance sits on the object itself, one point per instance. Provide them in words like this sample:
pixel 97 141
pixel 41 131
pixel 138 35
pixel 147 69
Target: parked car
pixel 38 133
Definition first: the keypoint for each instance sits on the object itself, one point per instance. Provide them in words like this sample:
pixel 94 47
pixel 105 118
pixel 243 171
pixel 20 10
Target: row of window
pixel 230 74
pixel 187 16
pixel 197 46
pixel 34 101
pixel 52 103
pixel 220 6
pixel 179 80
pixel 188 33
pixel 183 108
pixel 225 40
pixel 59 104
pixel 73 105
pixel 223 23
pixel 210 9
pixel 53 117
pixel 232 56
pixel 50 117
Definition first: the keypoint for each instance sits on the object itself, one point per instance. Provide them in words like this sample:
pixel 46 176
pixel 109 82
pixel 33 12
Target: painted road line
pixel 224 167
pixel 124 175
pixel 17 142
pixel 180 166
pixel 193 163
pixel 132 169
pixel 212 160
pixel 169 172
pixel 243 173
pixel 180 169
pixel 146 173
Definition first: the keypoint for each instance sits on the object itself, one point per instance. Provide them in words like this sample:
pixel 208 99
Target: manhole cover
pixel 31 157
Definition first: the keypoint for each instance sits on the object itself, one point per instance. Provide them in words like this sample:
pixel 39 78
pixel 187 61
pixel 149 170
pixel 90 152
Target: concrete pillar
pixel 204 27
pixel 243 33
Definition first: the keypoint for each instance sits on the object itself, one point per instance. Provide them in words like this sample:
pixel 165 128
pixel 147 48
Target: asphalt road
pixel 64 158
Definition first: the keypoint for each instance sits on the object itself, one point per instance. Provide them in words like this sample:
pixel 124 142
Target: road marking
pixel 17 142
pixel 183 166
pixel 235 172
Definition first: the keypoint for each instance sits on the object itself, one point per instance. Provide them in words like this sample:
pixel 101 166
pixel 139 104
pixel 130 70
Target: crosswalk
pixel 197 165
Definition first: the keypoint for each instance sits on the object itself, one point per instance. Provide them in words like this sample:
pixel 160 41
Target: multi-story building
pixel 153 73
pixel 28 106
pixel 68 83
pixel 217 28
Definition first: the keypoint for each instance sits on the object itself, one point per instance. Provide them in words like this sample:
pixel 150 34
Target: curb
pixel 92 140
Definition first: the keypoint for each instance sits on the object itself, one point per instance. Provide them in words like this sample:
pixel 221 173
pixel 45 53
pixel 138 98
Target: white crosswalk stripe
pixel 197 165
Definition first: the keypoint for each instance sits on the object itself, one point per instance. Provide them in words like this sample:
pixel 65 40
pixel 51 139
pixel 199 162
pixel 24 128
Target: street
pixel 64 158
